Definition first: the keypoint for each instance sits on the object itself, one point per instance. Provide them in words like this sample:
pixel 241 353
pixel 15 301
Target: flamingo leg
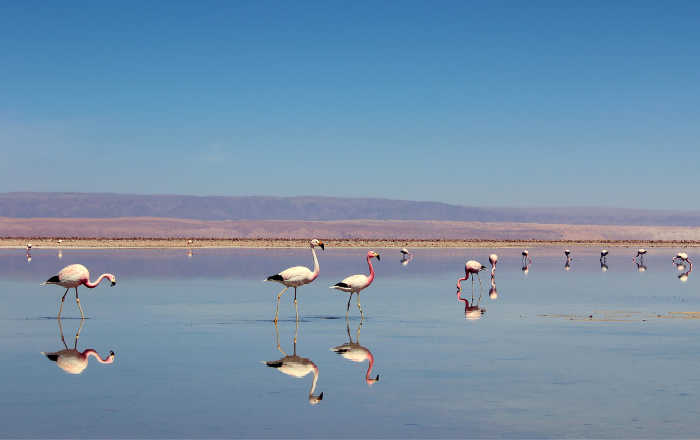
pixel 77 335
pixel 348 310
pixel 61 328
pixel 78 301
pixel 59 310
pixel 295 304
pixel 358 305
pixel 472 288
pixel 481 285
pixel 278 303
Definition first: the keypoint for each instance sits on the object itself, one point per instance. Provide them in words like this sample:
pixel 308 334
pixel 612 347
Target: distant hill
pixel 106 206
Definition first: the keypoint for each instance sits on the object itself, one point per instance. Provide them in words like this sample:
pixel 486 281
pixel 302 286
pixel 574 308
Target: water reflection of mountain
pixel 296 366
pixel 73 361
pixel 355 352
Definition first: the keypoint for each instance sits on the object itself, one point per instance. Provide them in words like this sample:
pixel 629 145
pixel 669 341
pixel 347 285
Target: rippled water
pixel 557 352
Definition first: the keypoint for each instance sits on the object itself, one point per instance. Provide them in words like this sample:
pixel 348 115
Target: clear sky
pixel 491 103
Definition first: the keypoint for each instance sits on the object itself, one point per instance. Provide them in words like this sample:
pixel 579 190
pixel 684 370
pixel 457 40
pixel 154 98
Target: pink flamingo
pixel 73 361
pixel 296 276
pixel 568 254
pixel 640 253
pixel 526 255
pixel 493 259
pixel 355 352
pixel 405 252
pixel 604 255
pixel 681 256
pixel 357 283
pixel 473 267
pixel 73 276
pixel 29 247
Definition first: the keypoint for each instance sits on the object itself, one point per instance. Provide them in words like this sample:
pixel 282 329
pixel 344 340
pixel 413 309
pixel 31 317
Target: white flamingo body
pixel 296 276
pixel 493 259
pixel 74 276
pixel 405 252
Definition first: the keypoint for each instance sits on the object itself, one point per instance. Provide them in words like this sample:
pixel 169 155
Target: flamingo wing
pixel 356 282
pixel 298 274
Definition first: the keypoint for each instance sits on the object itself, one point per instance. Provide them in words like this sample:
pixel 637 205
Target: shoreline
pixel 151 243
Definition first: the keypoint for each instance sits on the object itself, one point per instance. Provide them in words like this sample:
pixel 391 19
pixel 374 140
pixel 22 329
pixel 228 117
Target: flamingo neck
pixel 317 269
pixel 371 271
pixel 90 351
pixel 459 281
pixel 90 285
pixel 313 384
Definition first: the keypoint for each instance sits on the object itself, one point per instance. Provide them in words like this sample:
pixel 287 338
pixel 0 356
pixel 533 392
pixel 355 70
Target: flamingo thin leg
pixel 278 303
pixel 59 310
pixel 295 303
pixel 358 305
pixel 78 301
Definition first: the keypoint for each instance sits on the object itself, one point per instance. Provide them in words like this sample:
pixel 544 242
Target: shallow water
pixel 189 334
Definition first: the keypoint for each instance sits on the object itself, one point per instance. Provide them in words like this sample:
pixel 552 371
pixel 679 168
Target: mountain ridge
pixel 315 208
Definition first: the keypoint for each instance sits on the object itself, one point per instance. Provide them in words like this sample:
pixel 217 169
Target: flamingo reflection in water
pixel 296 366
pixel 472 312
pixel 526 267
pixel 684 276
pixel 603 266
pixel 73 361
pixel 640 265
pixel 493 293
pixel 357 353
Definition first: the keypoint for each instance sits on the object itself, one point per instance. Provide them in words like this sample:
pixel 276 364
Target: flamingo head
pixel 371 381
pixel 113 279
pixel 372 254
pixel 315 242
pixel 315 399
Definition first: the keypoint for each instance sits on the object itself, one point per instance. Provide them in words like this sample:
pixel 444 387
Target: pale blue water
pixel 189 334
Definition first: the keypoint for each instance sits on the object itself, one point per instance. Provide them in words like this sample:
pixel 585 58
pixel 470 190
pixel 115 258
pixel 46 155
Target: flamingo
pixel 60 254
pixel 405 252
pixel 296 366
pixel 493 259
pixel 355 352
pixel 526 254
pixel 29 247
pixel 640 254
pixel 357 283
pixel 472 267
pixel 567 253
pixel 681 256
pixel 493 293
pixel 73 276
pixel 73 361
pixel 684 276
pixel 296 276
pixel 189 242
pixel 603 254
pixel 59 241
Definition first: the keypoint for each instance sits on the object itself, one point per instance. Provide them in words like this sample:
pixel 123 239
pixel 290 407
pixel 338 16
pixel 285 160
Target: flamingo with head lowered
pixel 472 267
pixel 526 256
pixel 357 283
pixel 296 276
pixel 493 259
pixel 640 254
pixel 73 276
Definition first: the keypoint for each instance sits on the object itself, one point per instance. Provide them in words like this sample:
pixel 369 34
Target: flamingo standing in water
pixel 357 353
pixel 73 276
pixel 493 259
pixel 567 253
pixel 640 254
pixel 357 283
pixel 681 256
pixel 296 276
pixel 405 252
pixel 526 255
pixel 472 267
pixel 604 255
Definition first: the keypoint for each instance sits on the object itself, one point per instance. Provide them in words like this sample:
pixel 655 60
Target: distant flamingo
pixel 73 276
pixel 472 267
pixel 567 253
pixel 493 259
pixel 357 283
pixel 640 253
pixel 405 252
pixel 296 366
pixel 296 276
pixel 29 247
pixel 73 361
pixel 681 256
pixel 189 242
pixel 526 255
pixel 357 353
pixel 603 255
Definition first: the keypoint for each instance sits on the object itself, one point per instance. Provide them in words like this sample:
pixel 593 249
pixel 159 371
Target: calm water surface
pixel 555 352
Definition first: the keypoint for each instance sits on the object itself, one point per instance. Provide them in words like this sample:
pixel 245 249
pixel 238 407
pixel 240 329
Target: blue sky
pixel 493 103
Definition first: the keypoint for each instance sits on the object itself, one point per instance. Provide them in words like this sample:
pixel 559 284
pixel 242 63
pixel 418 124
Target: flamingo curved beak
pixel 113 283
pixel 323 248
pixel 378 258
